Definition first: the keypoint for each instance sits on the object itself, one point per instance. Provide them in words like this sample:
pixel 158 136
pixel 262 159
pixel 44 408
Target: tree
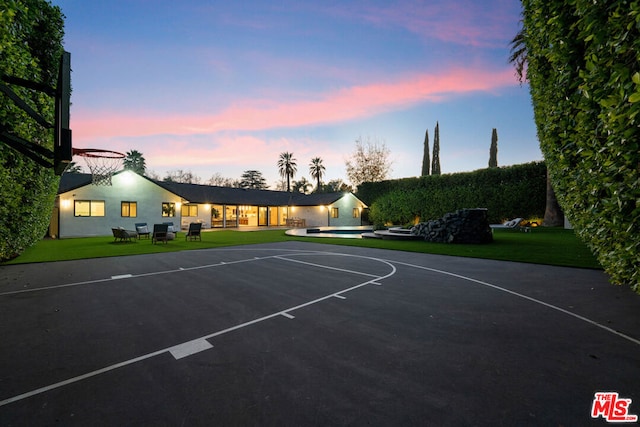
pixel 426 161
pixel 369 162
pixel 253 179
pixel 334 186
pixel 219 181
pixel 186 177
pixel 493 151
pixel 302 186
pixel 31 35
pixel 280 185
pixel 553 215
pixel 287 167
pixel 518 56
pixel 73 167
pixel 316 170
pixel 435 165
pixel 134 161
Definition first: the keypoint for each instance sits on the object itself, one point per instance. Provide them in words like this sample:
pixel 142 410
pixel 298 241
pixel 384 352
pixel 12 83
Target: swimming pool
pixel 339 232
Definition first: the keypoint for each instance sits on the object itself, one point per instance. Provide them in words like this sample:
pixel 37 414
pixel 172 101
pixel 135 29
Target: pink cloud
pixel 260 114
pixel 462 22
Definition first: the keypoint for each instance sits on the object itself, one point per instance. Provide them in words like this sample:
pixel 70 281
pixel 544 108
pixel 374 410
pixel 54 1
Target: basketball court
pixel 302 333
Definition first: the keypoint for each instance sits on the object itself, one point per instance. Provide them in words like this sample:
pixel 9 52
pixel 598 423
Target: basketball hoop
pixel 102 163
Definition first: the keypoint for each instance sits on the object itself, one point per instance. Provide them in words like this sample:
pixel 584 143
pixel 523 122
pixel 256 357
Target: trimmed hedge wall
pixel 507 192
pixel 584 80
pixel 31 34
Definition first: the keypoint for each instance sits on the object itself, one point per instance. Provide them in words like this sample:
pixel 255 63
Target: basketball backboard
pixel 62 152
pixel 62 145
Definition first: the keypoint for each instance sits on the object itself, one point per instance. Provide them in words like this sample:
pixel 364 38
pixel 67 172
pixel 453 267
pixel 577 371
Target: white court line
pixel 129 276
pixel 537 301
pixel 496 287
pixel 189 348
pixel 288 316
pixel 327 267
pixel 197 342
pixel 340 296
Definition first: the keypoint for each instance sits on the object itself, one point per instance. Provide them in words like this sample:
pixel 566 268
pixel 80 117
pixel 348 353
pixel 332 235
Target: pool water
pixel 340 232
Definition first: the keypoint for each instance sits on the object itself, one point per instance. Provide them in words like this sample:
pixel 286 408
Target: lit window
pixel 334 212
pixel 88 208
pixel 356 212
pixel 189 210
pixel 168 209
pixel 129 209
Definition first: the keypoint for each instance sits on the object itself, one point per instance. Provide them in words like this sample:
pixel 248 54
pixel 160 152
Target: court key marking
pixel 200 344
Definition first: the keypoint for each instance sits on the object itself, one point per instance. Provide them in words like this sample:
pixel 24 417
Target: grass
pixel 550 246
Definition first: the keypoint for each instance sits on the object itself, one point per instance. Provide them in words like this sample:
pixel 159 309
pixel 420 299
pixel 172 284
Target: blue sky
pixel 224 87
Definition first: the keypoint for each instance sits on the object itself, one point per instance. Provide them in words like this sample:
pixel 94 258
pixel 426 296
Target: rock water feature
pixel 462 226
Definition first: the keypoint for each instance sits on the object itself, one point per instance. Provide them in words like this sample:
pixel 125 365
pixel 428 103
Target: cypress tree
pixel 425 157
pixel 493 151
pixel 435 165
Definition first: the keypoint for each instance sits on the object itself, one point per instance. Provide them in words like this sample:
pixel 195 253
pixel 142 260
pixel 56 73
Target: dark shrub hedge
pixel 507 192
pixel 31 34
pixel 584 79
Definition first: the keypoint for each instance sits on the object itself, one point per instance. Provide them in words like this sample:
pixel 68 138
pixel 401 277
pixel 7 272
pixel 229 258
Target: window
pixel 168 209
pixel 356 212
pixel 334 212
pixel 88 208
pixel 129 209
pixel 189 210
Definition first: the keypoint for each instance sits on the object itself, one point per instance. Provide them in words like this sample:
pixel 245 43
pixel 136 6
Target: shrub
pixel 31 34
pixel 508 192
pixel 585 86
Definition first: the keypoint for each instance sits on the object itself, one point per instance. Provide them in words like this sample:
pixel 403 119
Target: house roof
pixel 71 181
pixel 196 193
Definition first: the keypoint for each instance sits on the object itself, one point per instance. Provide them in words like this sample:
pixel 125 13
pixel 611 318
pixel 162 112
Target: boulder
pixel 462 226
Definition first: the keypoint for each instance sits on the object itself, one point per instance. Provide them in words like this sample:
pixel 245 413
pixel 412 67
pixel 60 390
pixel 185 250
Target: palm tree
pixel 287 167
pixel 553 215
pixel 134 161
pixel 518 55
pixel 316 170
pixel 73 167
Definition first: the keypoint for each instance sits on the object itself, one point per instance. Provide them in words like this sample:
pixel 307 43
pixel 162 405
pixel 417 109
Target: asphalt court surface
pixel 310 334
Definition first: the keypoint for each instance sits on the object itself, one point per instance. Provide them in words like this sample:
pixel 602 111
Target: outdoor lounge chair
pixel 513 224
pixel 194 231
pixel 160 233
pixel 143 229
pixel 122 235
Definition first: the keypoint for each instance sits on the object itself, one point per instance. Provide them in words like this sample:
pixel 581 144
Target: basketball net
pixel 102 163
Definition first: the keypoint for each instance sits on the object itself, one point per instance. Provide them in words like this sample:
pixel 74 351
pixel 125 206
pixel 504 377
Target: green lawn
pixel 551 246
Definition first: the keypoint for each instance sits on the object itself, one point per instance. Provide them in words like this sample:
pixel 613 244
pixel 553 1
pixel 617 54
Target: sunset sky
pixel 226 86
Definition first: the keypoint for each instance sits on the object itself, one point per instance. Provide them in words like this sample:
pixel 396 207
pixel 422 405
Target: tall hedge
pixel 584 73
pixel 31 33
pixel 507 192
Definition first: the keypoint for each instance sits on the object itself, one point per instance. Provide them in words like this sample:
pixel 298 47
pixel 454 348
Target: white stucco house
pixel 83 209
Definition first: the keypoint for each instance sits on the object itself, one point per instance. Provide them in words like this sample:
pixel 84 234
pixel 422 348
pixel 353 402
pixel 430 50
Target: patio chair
pixel 143 229
pixel 122 235
pixel 194 231
pixel 173 230
pixel 160 233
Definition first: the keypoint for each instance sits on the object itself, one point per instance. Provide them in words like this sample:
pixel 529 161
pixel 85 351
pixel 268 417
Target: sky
pixel 222 87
